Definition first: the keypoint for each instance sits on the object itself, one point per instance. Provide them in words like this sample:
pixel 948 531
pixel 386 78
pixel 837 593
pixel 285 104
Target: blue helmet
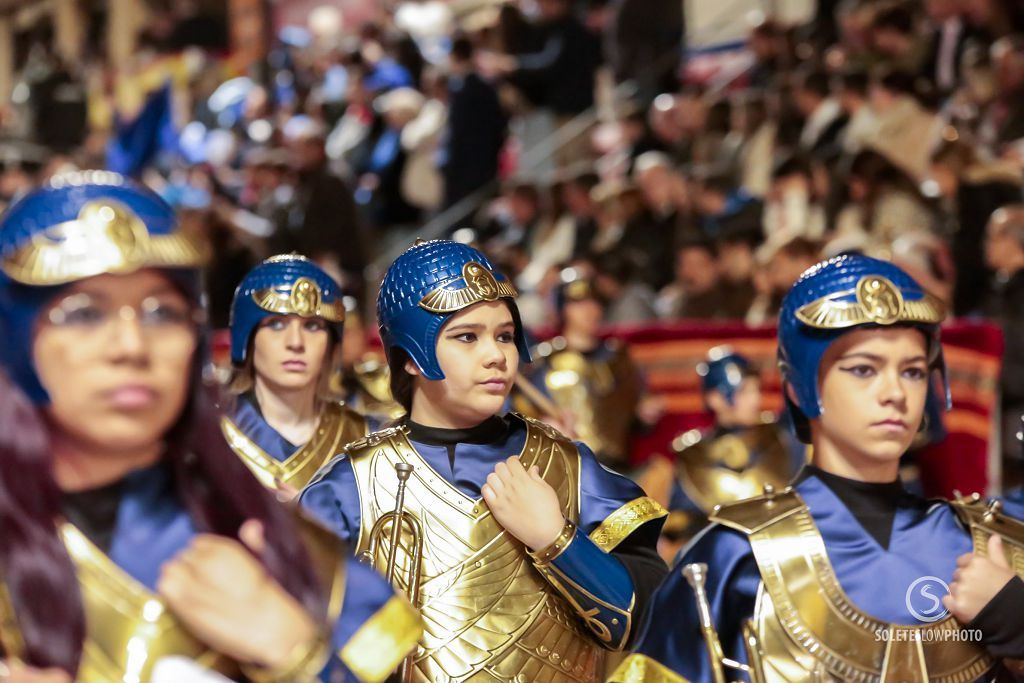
pixel 426 285
pixel 288 284
pixel 77 226
pixel 835 297
pixel 724 372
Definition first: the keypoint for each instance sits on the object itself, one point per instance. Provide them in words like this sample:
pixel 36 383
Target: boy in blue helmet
pixel 742 451
pixel 841 577
pixel 532 565
pixel 134 542
pixel 286 324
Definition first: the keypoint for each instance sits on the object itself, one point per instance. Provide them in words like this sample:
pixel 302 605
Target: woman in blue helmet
pixel 843 575
pixel 531 565
pixel 135 545
pixel 287 319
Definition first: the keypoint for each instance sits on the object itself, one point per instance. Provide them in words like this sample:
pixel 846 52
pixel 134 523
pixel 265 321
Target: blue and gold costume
pixel 727 462
pixel 493 610
pixel 286 285
pixel 831 579
pixel 600 387
pixel 117 537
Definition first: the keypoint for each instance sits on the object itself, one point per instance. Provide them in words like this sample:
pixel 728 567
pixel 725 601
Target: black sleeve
pixel 1001 622
pixel 638 553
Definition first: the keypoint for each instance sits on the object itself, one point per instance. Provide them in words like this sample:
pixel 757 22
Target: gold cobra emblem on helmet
pixel 880 299
pixel 305 297
pixel 480 280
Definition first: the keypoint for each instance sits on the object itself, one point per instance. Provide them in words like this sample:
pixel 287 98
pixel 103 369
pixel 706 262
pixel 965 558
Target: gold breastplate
pixel 338 426
pixel 128 627
pixel 601 395
pixel 807 627
pixel 723 469
pixel 488 615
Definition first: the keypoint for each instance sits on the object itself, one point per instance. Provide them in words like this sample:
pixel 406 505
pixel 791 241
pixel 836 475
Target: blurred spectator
pixel 380 180
pixel 896 39
pixel 577 197
pixel 422 183
pixel 948 39
pixel 643 43
pixel 792 209
pixel 562 71
pixel 1004 124
pixel 476 127
pixel 694 293
pixel 1004 302
pixel 513 218
pixel 971 189
pixel 630 299
pixel 736 264
pixel 323 224
pixel 785 262
pixel 725 208
pixel 823 117
pixel 767 45
pixel 881 203
pixel 754 136
pixel 852 92
pixel 906 131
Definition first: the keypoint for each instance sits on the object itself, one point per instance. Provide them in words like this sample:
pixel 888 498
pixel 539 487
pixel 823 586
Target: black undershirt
pixel 873 505
pixel 94 512
pixel 491 430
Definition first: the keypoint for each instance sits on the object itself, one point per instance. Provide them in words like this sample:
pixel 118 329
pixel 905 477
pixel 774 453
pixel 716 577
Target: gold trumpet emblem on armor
pixel 393 524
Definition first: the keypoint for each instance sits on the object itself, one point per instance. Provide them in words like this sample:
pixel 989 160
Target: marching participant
pixel 133 538
pixel 840 577
pixel 526 568
pixel 593 381
pixel 742 451
pixel 286 323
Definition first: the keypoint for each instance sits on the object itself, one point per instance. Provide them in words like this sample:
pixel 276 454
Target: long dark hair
pixel 216 488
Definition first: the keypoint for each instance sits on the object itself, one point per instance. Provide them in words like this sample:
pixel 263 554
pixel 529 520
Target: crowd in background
pixel 894 128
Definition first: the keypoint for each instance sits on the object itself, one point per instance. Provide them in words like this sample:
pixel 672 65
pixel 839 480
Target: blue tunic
pixel 250 420
pixel 926 540
pixel 614 578
pixel 153 527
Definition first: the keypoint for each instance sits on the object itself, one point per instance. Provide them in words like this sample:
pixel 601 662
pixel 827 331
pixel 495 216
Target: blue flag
pixel 135 143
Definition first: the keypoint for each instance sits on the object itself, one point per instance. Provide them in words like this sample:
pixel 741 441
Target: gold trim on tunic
pixel 107 237
pixel 338 426
pixel 617 526
pixel 377 648
pixel 638 668
pixel 807 625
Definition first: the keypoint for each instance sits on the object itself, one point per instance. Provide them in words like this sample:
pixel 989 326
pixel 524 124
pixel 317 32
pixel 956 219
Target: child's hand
pixel 977 580
pixel 524 503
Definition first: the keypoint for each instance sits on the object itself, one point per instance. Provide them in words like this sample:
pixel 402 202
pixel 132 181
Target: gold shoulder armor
pixel 361 446
pixel 985 518
pixel 544 428
pixel 754 514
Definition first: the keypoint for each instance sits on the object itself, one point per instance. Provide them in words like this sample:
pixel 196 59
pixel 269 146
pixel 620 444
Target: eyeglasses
pixel 157 314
